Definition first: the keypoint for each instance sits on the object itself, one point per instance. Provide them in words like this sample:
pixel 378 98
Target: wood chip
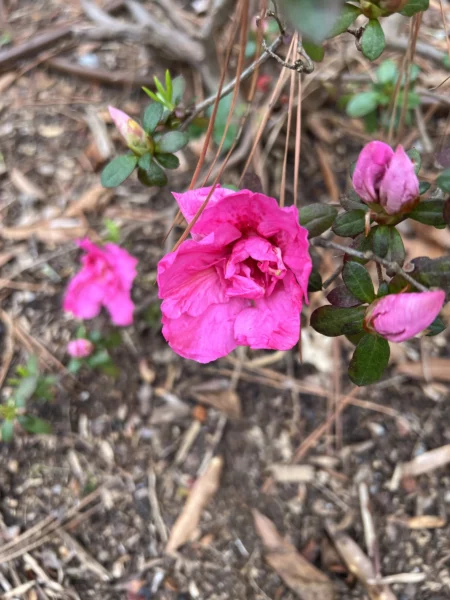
pixel 426 462
pixel 292 473
pixel 420 522
pixel 94 198
pixel 203 490
pixel 25 186
pixel 227 401
pixel 297 573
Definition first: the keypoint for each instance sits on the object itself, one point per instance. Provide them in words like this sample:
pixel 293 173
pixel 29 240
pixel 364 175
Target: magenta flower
pixel 241 280
pixel 134 136
pixel 80 348
pixel 399 317
pixel 105 280
pixel 386 177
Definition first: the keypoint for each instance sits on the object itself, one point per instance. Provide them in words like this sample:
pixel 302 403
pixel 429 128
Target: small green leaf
pixel 436 327
pixel 160 88
pixel 351 201
pixel 314 51
pixel 151 94
pixel 314 18
pixel 333 321
pixel 152 116
pixel 383 290
pixel 387 243
pixel 387 72
pixel 34 424
pixel 25 390
pixel 350 223
pixel 446 211
pixel 317 218
pixel 429 212
pixel 112 234
pixel 168 161
pixel 98 359
pixel 153 176
pixel 362 104
pixel 424 186
pixel 362 244
pixel 119 169
pixel 416 159
pixel 371 122
pixel 358 281
pixel 372 40
pixel 369 360
pixel 341 296
pixel 349 13
pixel 178 88
pixel 415 6
pixel 315 281
pixel 7 431
pixel 169 87
pixel 172 142
pixel 443 181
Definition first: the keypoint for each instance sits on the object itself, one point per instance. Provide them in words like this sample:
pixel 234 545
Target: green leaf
pixel 446 211
pixel 432 272
pixel 383 290
pixel 25 390
pixel 74 365
pixel 34 424
pixel 362 244
pixel 341 296
pixel 371 122
pixel 416 159
pixel 350 223
pixel 317 218
pixel 443 181
pixel 415 6
pixel 152 176
pixel 387 72
pixel 119 169
pixel 387 243
pixel 152 116
pixel 372 40
pixel 429 212
pixel 172 142
pixel 315 281
pixel 352 201
pixel 7 431
pixel 314 51
pixel 369 360
pixel 112 235
pixel 178 88
pixel 436 327
pixel 151 94
pixel 169 87
pixel 362 104
pixel 99 359
pixel 314 18
pixel 424 186
pixel 168 161
pixel 333 321
pixel 220 122
pixel 358 281
pixel 349 13
pixel 160 88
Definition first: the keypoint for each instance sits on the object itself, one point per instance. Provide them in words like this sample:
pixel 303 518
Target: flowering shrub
pixel 241 280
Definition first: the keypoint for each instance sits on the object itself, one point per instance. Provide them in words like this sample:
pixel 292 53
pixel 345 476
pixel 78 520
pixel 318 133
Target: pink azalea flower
pixel 241 280
pixel 134 136
pixel 105 280
pixel 399 317
pixel 386 177
pixel 80 348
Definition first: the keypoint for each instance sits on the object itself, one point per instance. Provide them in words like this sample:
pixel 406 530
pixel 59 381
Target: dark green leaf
pixel 387 243
pixel 414 6
pixel 154 176
pixel 7 431
pixel 314 51
pixel 443 181
pixel 416 159
pixel 178 88
pixel 371 122
pixel 429 212
pixel 98 359
pixel 424 186
pixel 315 281
pixel 387 72
pixel 355 338
pixel 352 201
pixel 119 169
pixel 362 104
pixel 152 116
pixel 168 161
pixel 317 218
pixel 350 223
pixel 333 321
pixel 362 244
pixel 372 40
pixel 172 142
pixel 341 296
pixel 34 424
pixel 383 290
pixel 349 13
pixel 358 281
pixel 436 327
pixel 432 272
pixel 446 211
pixel 314 18
pixel 369 360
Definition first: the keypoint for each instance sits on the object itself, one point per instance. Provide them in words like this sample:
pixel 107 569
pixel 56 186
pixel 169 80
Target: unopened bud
pixel 134 136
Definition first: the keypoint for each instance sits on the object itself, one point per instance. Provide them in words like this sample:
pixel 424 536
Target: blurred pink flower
pixel 241 280
pixel 399 317
pixel 80 348
pixel 105 279
pixel 386 177
pixel 134 136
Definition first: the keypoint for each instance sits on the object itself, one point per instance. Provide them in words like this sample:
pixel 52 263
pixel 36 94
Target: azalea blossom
pixel 105 279
pixel 240 280
pixel 132 133
pixel 399 317
pixel 80 348
pixel 385 177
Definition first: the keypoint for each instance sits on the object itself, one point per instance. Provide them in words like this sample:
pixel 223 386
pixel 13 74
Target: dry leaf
pixel 24 185
pixel 421 522
pixel 436 368
pixel 297 573
pixel 94 198
pixel 292 473
pixel 58 230
pixel 203 490
pixel 226 401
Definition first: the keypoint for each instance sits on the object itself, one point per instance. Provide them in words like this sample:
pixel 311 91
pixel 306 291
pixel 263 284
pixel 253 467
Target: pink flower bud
pixel 134 136
pixel 399 317
pixel 80 348
pixel 386 177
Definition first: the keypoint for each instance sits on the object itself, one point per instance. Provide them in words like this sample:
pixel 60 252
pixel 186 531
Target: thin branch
pixel 369 255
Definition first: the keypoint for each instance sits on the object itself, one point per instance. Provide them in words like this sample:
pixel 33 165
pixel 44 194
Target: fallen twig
pixel 33 46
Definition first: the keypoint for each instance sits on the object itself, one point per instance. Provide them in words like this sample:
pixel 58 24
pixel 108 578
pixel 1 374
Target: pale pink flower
pixel 105 279
pixel 80 348
pixel 386 177
pixel 132 133
pixel 241 280
pixel 399 317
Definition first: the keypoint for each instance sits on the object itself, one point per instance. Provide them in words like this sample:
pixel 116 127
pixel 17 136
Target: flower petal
pixel 399 189
pixel 190 202
pixel 370 168
pixel 84 296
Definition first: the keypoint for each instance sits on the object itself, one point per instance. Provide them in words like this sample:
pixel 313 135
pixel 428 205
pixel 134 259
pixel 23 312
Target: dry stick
pixel 298 136
pixel 99 75
pixel 369 255
pixel 415 26
pixel 444 21
pixel 33 46
pixel 288 127
pixel 8 352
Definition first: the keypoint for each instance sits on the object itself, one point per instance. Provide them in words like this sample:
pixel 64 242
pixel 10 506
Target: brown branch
pixel 99 75
pixel 34 45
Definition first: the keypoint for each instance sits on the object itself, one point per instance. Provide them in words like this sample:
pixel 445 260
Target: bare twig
pixel 33 46
pixel 154 504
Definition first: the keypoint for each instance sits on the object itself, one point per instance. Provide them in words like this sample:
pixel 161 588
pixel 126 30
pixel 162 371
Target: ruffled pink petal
pixel 84 296
pixel 273 323
pixel 399 189
pixel 205 337
pixel 370 168
pixel 190 202
pixel 399 317
pixel 123 264
pixel 255 247
pixel 120 307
